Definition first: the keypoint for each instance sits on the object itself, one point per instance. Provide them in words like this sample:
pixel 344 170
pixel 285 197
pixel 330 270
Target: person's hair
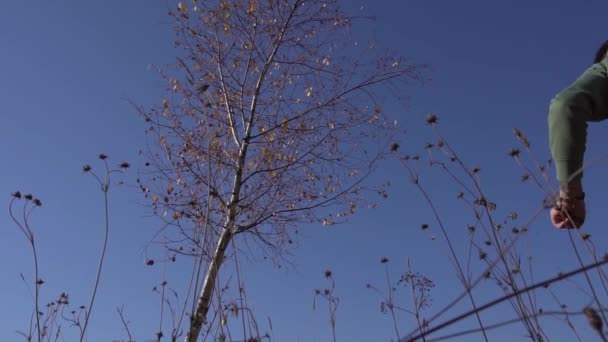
pixel 601 52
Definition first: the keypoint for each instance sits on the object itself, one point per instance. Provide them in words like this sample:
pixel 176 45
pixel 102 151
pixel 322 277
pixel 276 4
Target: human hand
pixel 569 212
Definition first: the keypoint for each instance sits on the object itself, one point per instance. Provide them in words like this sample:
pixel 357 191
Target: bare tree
pixel 273 119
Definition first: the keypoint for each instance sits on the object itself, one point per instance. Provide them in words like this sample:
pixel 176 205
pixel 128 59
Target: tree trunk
pixel 204 300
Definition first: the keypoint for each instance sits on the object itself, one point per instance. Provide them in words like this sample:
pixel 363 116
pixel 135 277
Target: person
pixel 585 100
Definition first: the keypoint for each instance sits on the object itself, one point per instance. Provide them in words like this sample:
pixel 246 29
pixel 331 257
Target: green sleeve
pixel 585 100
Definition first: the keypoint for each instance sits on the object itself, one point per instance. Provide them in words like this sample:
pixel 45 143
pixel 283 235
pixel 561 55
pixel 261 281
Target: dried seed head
pixel 394 147
pixel 585 236
pixel 28 197
pixel 514 152
pixel 424 226
pixel 16 194
pixel 327 274
pixel 103 156
pixel 524 141
pixel 594 319
pixel 431 119
pixel 149 262
pixel 37 202
pixel 124 165
pixel 86 168
pixel 384 260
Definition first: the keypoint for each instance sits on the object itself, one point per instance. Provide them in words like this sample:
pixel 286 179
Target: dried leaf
pixel 182 7
pixel 252 6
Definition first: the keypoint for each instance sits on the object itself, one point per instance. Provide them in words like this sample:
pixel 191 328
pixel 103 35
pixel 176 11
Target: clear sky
pixel 68 68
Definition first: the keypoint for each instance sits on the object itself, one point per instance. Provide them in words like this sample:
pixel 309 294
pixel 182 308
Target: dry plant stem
pixel 332 306
pixel 503 324
pixel 522 309
pixel 593 252
pixel 534 160
pixel 201 245
pixel 417 313
pixel 566 315
pixel 29 234
pixel 580 260
pixel 544 283
pixel 159 334
pixel 333 320
pixel 391 306
pixel 105 186
pixel 37 290
pixel 218 293
pixel 476 282
pixel 532 174
pixel 125 324
pixel 462 276
pixel 509 252
pixel 240 287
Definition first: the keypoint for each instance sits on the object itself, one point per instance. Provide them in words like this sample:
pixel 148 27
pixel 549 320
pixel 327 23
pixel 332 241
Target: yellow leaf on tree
pixel 251 8
pixel 155 198
pixel 182 7
pixel 170 189
pixel 176 215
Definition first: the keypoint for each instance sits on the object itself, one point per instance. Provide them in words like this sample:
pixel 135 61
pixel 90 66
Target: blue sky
pixel 69 66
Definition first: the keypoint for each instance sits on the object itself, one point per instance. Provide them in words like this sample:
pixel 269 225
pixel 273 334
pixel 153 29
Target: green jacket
pixel 583 101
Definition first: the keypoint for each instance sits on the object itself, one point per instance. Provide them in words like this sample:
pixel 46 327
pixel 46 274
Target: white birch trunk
pixel 204 300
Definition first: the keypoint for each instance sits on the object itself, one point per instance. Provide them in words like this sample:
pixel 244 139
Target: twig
pixel 544 283
pixel 125 324
pixel 105 186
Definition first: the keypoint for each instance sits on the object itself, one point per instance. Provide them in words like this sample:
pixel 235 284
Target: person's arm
pixel 567 140
pixel 568 115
